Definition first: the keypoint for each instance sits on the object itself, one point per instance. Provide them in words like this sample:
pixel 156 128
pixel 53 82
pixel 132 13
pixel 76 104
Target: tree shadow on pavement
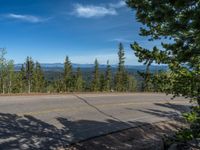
pixel 28 132
pixel 177 107
pixel 144 137
pixel 167 110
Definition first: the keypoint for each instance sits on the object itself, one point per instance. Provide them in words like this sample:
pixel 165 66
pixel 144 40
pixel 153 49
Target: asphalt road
pixel 51 121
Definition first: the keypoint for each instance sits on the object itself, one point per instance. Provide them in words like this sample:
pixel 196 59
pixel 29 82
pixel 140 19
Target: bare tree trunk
pixel 3 88
pixel 29 86
pixel 198 101
pixel 10 85
pixel 198 97
pixel 147 77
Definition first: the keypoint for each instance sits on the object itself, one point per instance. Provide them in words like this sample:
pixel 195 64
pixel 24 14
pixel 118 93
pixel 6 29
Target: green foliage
pixel 29 66
pixel 21 78
pixel 38 79
pixel 79 82
pixel 147 57
pixel 95 86
pixel 32 78
pixel 131 84
pixel 6 73
pixel 121 77
pixel 194 131
pixel 58 86
pixel 161 82
pixel 184 135
pixel 190 117
pixel 176 25
pixel 178 22
pixel 108 78
pixel 68 76
pixel 121 56
pixel 2 69
pixel 16 83
pixel 10 75
pixel 102 83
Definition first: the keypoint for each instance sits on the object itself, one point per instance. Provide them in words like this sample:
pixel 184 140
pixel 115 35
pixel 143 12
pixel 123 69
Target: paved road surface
pixel 47 122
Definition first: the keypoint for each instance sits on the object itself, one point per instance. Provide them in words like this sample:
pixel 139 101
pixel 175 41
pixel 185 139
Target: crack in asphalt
pixel 96 108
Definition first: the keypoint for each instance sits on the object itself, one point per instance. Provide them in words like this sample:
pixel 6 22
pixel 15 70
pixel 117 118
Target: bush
pixel 193 132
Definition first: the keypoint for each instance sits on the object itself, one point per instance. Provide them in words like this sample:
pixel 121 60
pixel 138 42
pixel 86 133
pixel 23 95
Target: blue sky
pixel 48 30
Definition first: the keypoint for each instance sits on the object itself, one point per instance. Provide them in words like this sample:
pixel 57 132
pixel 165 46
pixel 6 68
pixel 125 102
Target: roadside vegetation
pixel 31 77
pixel 175 25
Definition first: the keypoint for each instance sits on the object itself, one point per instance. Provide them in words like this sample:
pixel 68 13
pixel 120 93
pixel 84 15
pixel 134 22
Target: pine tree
pixel 29 72
pixel 10 75
pixel 108 78
pixel 3 73
pixel 79 81
pixel 95 82
pixel 121 56
pixel 102 85
pixel 68 76
pixel 146 57
pixel 177 21
pixel 38 78
pixel 132 83
pixel 16 84
pixel 125 81
pixel 58 86
pixel 121 75
pixel 22 79
pixel 6 73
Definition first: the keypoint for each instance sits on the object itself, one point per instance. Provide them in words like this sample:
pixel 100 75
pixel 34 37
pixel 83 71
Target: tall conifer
pixel 95 82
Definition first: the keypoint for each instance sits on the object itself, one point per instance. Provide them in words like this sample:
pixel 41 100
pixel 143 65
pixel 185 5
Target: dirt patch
pixel 145 137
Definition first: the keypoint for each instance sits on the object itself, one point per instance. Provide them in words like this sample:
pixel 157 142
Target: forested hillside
pixel 34 77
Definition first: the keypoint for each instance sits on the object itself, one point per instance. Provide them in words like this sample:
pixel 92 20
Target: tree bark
pixel 10 85
pixel 29 86
pixel 3 88
pixel 147 77
pixel 198 97
pixel 198 100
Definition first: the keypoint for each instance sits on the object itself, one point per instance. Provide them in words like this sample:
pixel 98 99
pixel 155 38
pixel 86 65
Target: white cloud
pixel 90 11
pixel 27 18
pixel 120 4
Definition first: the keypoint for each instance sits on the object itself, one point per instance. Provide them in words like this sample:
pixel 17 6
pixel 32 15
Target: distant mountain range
pixel 59 67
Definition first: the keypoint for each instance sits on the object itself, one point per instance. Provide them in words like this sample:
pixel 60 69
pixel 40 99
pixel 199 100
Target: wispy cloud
pixel 26 18
pixel 120 4
pixel 91 11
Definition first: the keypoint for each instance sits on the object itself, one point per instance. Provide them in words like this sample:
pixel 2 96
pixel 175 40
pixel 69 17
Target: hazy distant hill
pixel 59 67
pixel 54 71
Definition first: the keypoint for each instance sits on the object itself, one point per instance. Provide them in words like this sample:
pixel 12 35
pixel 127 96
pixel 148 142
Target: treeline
pixel 31 78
